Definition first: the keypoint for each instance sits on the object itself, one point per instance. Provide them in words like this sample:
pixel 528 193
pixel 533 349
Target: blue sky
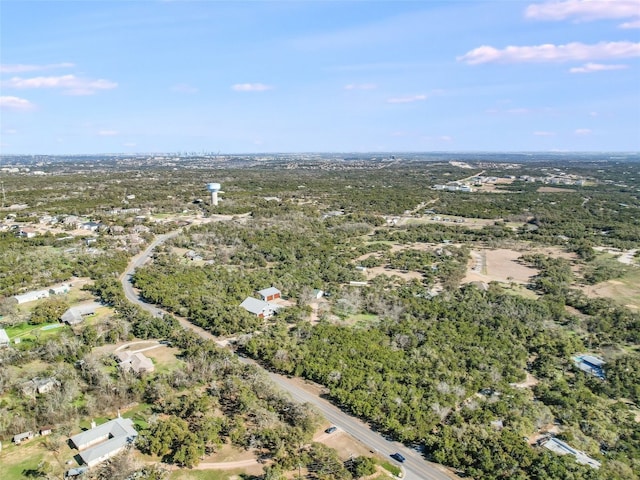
pixel 319 76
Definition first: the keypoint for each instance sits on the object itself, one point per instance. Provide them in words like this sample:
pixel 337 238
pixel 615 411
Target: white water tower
pixel 214 188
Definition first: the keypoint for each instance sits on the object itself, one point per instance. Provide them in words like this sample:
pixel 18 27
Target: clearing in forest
pixel 499 265
pixel 624 290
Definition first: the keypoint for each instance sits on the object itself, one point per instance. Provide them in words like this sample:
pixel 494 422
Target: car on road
pixel 331 429
pixel 398 457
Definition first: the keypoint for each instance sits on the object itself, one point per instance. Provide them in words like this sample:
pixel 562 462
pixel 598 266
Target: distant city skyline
pixel 100 77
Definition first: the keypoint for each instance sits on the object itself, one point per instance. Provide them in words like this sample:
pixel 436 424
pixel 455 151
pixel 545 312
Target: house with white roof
pixel 22 437
pixel 104 441
pixel 60 289
pixel 562 448
pixel 269 294
pixel 31 296
pixel 4 338
pixel 259 307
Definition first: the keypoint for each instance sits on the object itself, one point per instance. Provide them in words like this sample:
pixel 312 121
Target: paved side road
pixel 415 467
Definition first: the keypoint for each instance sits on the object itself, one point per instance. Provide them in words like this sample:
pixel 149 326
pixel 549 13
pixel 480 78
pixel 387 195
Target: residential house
pixel 45 385
pixel 136 362
pixel 26 232
pixel 60 290
pixel 44 431
pixel 591 364
pixel 561 448
pixel 31 296
pixel 78 313
pixel 75 472
pixel 22 437
pixel 4 338
pixel 269 294
pixel 259 307
pixel 39 386
pixel 104 441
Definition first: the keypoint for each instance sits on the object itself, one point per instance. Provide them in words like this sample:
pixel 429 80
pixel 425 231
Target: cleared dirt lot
pixel 555 190
pixel 499 265
pixel 502 264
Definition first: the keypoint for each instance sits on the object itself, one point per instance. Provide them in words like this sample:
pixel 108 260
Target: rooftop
pixel 269 291
pixel 116 428
pixel 254 305
pixel 561 448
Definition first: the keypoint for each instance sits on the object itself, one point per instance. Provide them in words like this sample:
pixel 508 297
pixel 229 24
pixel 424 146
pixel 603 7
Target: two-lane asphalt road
pixel 415 467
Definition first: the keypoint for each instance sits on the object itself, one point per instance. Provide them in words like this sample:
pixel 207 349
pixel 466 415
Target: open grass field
pixel 164 358
pixel 22 461
pixel 28 334
pixel 624 290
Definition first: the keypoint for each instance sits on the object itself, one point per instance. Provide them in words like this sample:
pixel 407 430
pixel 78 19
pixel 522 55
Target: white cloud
pixel 446 138
pixel 543 134
pixel 551 53
pixel 586 10
pixel 23 68
pixel 360 86
pixel 16 103
pixel 410 99
pixel 9 131
pixel 71 84
pixel 107 133
pixel 129 144
pixel 582 131
pixel 250 87
pixel 630 25
pixel 596 67
pixel 184 88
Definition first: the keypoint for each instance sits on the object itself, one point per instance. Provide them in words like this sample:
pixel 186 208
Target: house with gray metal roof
pixel 259 307
pixel 136 362
pixel 31 296
pixel 562 448
pixel 77 314
pixel 22 437
pixel 104 441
